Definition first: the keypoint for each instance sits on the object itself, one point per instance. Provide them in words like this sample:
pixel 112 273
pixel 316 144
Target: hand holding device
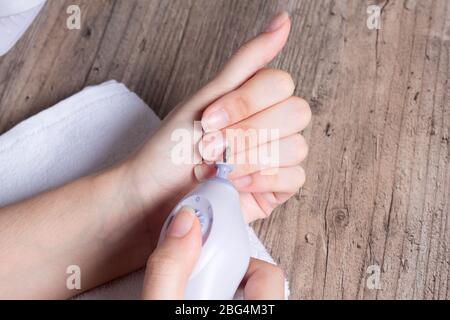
pixel 169 268
pixel 225 253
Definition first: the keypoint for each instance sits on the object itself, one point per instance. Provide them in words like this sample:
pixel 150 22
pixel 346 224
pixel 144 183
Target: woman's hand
pixel 243 96
pixel 107 224
pixel 170 265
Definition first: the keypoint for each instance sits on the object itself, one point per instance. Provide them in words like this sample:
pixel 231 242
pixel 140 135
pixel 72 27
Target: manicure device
pixel 15 18
pixel 225 252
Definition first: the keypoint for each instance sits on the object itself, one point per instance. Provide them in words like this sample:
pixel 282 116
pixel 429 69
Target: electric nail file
pixel 15 18
pixel 225 253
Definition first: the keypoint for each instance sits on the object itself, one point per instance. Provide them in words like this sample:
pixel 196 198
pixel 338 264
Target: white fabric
pixel 15 18
pixel 83 134
pixel 12 7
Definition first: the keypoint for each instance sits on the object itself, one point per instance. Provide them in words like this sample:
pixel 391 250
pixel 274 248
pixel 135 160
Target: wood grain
pixel 378 174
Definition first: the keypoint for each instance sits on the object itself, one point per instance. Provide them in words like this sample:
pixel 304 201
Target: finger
pixel 266 88
pixel 170 265
pixel 260 205
pixel 286 118
pixel 286 180
pixel 269 157
pixel 255 54
pixel 263 281
pixel 250 58
pixel 286 152
pixel 279 121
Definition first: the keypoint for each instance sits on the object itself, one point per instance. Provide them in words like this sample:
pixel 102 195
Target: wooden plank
pixel 378 174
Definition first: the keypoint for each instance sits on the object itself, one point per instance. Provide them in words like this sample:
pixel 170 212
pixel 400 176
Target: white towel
pixel 83 134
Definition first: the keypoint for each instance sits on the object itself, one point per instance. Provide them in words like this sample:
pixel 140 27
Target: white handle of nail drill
pixel 225 253
pixel 15 18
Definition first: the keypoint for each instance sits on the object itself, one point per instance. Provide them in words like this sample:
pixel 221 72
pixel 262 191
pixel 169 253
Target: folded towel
pixel 15 18
pixel 81 135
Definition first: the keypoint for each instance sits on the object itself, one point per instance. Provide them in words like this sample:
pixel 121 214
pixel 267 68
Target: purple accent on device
pixel 223 169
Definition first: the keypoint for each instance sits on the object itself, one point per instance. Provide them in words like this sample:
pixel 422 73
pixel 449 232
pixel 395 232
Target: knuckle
pixel 301 178
pixel 281 79
pixel 271 179
pixel 276 273
pixel 160 266
pixel 302 148
pixel 243 167
pixel 307 111
pixel 297 179
pixel 239 106
pixel 286 81
pixel 282 197
pixel 301 110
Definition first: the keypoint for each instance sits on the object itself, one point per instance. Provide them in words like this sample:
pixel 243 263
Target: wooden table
pixel 377 191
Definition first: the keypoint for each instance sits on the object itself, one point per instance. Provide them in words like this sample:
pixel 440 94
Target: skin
pixel 165 280
pixel 108 223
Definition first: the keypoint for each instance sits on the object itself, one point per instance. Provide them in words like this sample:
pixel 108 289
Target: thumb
pixel 251 57
pixel 172 262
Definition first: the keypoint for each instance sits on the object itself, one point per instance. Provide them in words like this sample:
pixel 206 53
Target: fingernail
pixel 204 171
pixel 199 173
pixel 215 121
pixel 212 146
pixel 277 22
pixel 243 181
pixel 182 223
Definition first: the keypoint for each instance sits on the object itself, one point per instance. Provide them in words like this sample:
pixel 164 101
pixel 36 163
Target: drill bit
pixel 226 155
